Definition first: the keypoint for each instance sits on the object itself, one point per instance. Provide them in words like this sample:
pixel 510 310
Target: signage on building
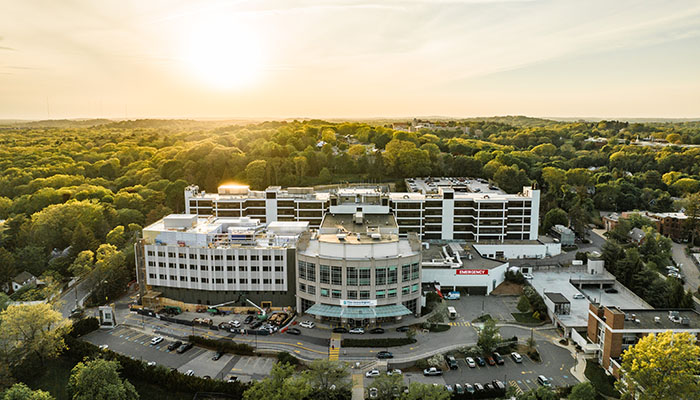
pixel 472 272
pixel 358 303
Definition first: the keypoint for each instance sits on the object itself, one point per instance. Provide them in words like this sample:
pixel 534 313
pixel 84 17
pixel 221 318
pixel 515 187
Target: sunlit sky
pixel 335 58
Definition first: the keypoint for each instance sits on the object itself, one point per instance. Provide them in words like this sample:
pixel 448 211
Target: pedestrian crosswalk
pixel 518 390
pixel 334 349
pixel 460 323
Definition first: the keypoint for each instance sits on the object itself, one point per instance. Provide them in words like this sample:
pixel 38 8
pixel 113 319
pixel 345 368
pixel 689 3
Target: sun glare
pixel 224 54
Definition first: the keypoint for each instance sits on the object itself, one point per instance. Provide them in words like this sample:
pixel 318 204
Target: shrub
pixel 284 357
pixel 422 363
pixel 534 355
pixel 436 361
pixel 84 326
pixel 383 342
pixel 523 304
pixel 515 277
pixel 226 345
pixel 438 327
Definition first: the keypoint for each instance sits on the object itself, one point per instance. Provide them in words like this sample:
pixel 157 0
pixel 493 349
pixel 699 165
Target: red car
pixel 490 360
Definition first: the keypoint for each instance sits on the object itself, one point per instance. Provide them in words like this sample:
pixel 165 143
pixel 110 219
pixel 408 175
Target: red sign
pixel 472 272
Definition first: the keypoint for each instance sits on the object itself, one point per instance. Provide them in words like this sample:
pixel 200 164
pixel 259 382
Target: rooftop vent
pixel 657 320
pixel 685 321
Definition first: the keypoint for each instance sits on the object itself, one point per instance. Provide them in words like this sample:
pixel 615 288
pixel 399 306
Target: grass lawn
pixel 526 318
pixel 54 380
pixel 602 382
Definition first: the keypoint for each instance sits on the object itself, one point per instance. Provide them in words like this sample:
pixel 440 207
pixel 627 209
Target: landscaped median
pixel 225 345
pixel 383 342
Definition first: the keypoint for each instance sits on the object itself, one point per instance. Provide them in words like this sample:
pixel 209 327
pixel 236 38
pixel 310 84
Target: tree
pixel 109 276
pixel 282 384
pixel 325 175
pixel 388 386
pixel 420 391
pixel 541 393
pixel 511 179
pixel 691 203
pixel 489 336
pixel 7 267
pixel 99 379
pixel 661 366
pixel 35 329
pixel 20 391
pixel 582 391
pixel 116 236
pixel 555 216
pixel 322 374
pixel 255 173
pixel 83 264
pixel 523 304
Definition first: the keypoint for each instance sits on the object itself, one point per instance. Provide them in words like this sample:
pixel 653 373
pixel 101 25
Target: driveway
pixel 689 269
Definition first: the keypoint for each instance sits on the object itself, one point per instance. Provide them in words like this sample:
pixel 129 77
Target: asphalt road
pixel 69 297
pixel 690 271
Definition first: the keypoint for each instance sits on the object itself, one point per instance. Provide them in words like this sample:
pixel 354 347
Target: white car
pixel 579 296
pixel 156 340
pixel 527 276
pixel 470 362
pixel 189 372
pixel 151 364
pixel 516 357
pixel 307 324
pixel 235 324
pixel 395 371
pixel 104 347
pixel 372 373
pixel 358 331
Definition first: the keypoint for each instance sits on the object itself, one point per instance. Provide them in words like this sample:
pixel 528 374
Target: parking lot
pixel 137 345
pixel 471 307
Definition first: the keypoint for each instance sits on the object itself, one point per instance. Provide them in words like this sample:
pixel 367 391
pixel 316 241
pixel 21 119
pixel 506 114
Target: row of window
pixel 231 281
pixel 241 257
pixel 358 276
pixel 218 268
pixel 355 294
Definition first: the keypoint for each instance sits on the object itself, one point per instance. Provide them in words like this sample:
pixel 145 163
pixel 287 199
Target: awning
pixel 325 310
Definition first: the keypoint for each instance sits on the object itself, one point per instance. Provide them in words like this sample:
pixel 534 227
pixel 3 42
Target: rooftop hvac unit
pixel 376 236
pixel 685 321
pixel 657 320
pixel 358 217
pixel 341 236
pixel 358 237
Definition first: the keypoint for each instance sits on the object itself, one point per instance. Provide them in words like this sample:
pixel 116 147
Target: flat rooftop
pixel 557 280
pixel 435 254
pixel 647 319
pixel 345 221
pixel 458 184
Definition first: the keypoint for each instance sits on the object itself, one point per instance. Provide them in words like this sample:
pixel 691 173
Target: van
pixel 452 312
pixel 454 295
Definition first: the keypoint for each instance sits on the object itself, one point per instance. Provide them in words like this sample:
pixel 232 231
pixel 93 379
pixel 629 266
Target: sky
pixel 349 58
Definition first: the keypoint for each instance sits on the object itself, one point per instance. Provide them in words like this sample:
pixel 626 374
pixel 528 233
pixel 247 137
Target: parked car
pixel 232 379
pixel 459 389
pixel 156 340
pixel 516 357
pixel 449 388
pixel 432 371
pixel 372 373
pixel 373 393
pixel 490 360
pixel 357 331
pixel 307 324
pixel 184 348
pixel 294 331
pixel 174 345
pixel 340 329
pixel 376 330
pixel 481 361
pixel 224 326
pixel 151 363
pixel 394 371
pixel 542 380
pixel 402 329
pixel 104 347
pixel 610 290
pixel 579 296
pixel 384 354
pixel 256 325
pixel 248 319
pixel 451 361
pixel 498 385
pixel 488 387
pixel 189 372
pixel 235 323
pixel 478 387
pixel 527 276
pixel 217 355
pixel 469 388
pixel 497 357
pixel 470 362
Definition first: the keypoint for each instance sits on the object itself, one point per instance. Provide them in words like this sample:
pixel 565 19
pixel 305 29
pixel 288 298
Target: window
pixel 173 277
pixel 242 257
pixel 392 275
pixel 364 294
pixel 183 266
pixel 230 281
pixel 279 268
pixel 324 292
pixel 229 258
pixel 365 276
pixel 278 258
pixel 254 257
pixel 219 280
pixel 279 281
pixel 203 257
pixel 311 272
pixel 244 281
pixel 217 257
pixel 181 255
pixel 243 269
pixel 193 279
pixel 183 279
pixel 415 271
pixel 381 294
pixel 380 276
pixel 205 280
pixel 161 254
pixel 193 256
pixel 152 276
pixel 151 253
pixel 352 276
pixel 325 273
pixel 336 294
pixel 171 255
pixel 267 268
pixel 161 264
pixel 302 287
pixel 229 268
pixel 255 281
pixel 311 289
pixel 171 265
pixel 414 288
pixel 391 293
pixel 266 257
pixel 218 268
pixel 151 263
pixel 203 268
pixel 267 281
pixel 336 275
pixel 406 290
pixel 193 266
pixel 352 294
pixel 405 273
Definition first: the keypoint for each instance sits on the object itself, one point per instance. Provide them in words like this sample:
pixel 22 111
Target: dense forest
pixel 74 195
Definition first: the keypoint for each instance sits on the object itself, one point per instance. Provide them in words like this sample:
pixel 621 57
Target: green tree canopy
pixel 99 379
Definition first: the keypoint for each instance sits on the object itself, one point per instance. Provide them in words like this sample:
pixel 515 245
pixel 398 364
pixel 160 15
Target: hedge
pixel 438 327
pixel 384 342
pixel 226 345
